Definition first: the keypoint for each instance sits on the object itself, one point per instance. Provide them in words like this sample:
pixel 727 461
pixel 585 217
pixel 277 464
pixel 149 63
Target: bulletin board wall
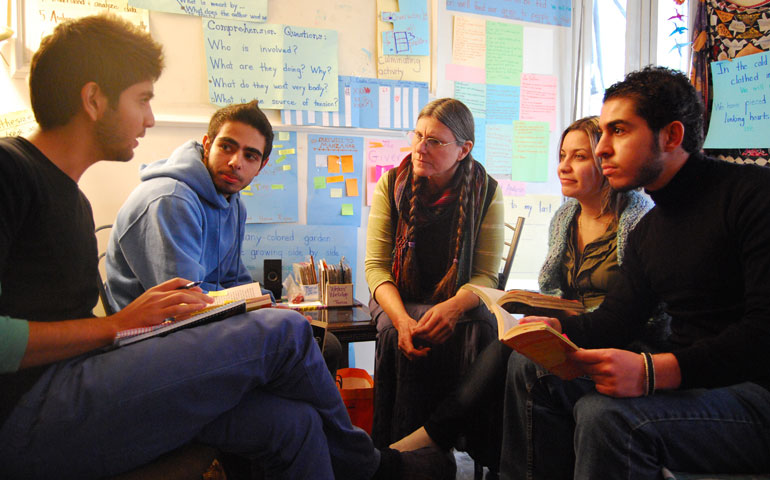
pixel 182 107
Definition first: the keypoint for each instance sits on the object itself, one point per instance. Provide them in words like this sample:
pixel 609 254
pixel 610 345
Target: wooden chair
pixel 502 279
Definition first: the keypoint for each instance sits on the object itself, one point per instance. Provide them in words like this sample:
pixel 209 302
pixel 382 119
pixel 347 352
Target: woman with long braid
pixel 436 223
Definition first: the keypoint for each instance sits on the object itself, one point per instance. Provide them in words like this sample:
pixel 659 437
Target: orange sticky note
pixel 335 179
pixel 333 163
pixel 347 164
pixel 351 187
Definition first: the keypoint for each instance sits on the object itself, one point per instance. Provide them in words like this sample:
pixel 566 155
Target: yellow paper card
pixel 351 185
pixel 335 192
pixel 282 136
pixel 333 163
pixel 347 164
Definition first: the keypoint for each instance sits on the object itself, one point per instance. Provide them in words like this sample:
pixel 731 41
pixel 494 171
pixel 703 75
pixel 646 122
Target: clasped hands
pixel 434 327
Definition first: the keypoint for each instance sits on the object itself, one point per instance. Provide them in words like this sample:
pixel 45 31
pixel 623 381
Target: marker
pixel 189 285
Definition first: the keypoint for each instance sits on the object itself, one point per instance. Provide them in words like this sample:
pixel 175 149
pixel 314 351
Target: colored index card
pixel 333 163
pixel 347 209
pixel 287 151
pixel 276 187
pixel 347 164
pixel 283 136
pixel 319 182
pixel 351 187
pixel 286 167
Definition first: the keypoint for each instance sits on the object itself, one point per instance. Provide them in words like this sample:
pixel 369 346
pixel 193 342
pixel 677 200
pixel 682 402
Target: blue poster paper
pixel 295 243
pixel 272 195
pixel 280 65
pixel 411 33
pixel 368 103
pixel 249 10
pixel 739 112
pixel 331 174
pixel 503 104
pixel 551 12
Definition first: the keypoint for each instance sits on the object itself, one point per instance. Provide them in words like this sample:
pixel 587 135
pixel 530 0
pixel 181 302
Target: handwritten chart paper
pixel 16 124
pixel 415 68
pixel 469 41
pixel 530 151
pixel 410 34
pixel 740 115
pixel 280 65
pixel 49 13
pixel 538 98
pixel 295 243
pixel 504 58
pixel 249 10
pixel 381 155
pixel 551 12
pixel 272 195
pixel 325 204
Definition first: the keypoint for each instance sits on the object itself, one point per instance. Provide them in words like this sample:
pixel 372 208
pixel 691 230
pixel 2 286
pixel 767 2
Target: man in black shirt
pixel 704 249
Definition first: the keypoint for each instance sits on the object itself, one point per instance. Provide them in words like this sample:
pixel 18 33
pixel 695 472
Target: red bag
pixel 357 390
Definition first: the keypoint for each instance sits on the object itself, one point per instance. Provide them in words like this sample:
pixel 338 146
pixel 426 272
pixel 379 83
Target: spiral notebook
pixel 213 314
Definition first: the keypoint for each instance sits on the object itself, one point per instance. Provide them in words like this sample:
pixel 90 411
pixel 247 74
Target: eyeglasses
pixel 430 142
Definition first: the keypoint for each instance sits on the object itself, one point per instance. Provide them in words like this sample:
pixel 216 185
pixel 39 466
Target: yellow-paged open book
pixel 537 340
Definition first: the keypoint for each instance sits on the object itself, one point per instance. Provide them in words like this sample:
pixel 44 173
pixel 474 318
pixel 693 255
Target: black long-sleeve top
pixel 704 249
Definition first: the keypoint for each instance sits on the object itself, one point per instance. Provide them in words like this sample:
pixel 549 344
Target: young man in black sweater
pixel 702 405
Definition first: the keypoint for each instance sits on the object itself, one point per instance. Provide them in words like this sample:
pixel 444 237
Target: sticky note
pixel 335 192
pixel 319 182
pixel 286 168
pixel 282 136
pixel 347 209
pixel 333 163
pixel 276 187
pixel 287 151
pixel 320 161
pixel 347 164
pixel 351 186
pixel 335 179
pixel 280 159
pixel 276 147
pixel 248 194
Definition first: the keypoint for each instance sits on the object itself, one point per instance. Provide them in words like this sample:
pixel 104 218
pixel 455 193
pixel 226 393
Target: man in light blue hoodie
pixel 186 219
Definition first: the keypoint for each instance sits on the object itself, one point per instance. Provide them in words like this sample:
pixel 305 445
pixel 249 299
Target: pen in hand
pixel 189 285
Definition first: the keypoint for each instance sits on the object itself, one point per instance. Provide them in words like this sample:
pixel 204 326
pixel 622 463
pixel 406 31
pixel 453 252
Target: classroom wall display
pixel 249 10
pixel 334 180
pixel 381 155
pixel 272 195
pixel 368 103
pixel 739 112
pixel 508 106
pixel 411 31
pixel 296 243
pixel 553 12
pixel 279 65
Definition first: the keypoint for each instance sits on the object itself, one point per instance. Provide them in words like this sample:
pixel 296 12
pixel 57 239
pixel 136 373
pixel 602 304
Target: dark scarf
pixel 429 212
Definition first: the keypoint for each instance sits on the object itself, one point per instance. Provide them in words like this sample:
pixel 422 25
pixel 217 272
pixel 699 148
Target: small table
pixel 348 324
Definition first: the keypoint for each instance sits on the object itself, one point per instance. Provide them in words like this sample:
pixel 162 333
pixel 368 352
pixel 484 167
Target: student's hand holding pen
pixel 169 299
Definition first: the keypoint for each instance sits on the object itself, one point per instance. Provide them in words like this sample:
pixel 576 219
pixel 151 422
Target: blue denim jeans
pixel 255 383
pixel 555 429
